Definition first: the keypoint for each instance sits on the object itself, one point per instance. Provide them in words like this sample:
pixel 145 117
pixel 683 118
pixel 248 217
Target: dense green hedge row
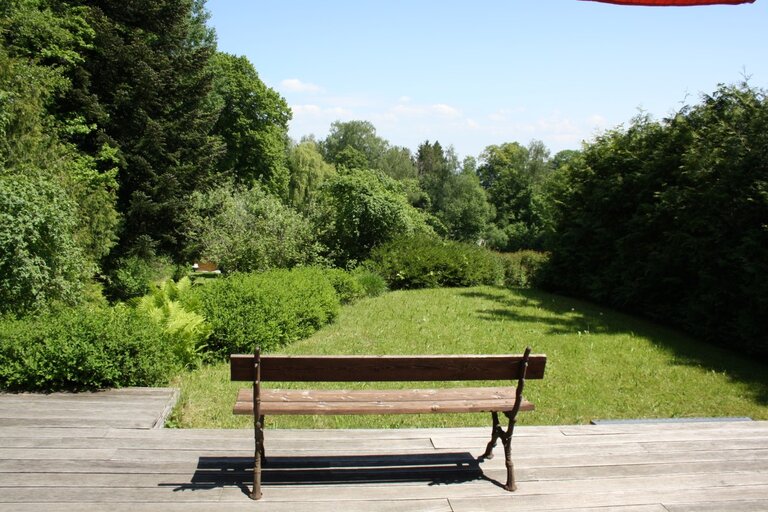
pixel 669 220
pixel 428 262
pixel 522 269
pixel 83 348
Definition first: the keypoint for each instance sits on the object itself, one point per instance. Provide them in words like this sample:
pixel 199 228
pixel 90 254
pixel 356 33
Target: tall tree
pixel 456 198
pixel 398 162
pixel 58 203
pixel 361 209
pixel 308 173
pixel 514 176
pixel 466 211
pixel 354 144
pixel 253 124
pixel 434 167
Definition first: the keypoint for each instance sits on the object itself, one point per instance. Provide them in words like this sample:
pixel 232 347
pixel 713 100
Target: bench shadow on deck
pixel 433 469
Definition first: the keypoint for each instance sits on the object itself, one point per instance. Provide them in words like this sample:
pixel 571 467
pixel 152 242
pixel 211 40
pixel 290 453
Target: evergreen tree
pixel 147 84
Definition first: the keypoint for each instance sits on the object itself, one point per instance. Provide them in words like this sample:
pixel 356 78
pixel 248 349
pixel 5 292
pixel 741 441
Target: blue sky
pixel 473 73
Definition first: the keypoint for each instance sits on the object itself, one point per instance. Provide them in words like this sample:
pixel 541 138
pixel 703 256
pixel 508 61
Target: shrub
pixel 522 268
pixel 134 276
pixel 347 287
pixel 269 310
pixel 81 349
pixel 424 262
pixel 40 262
pixel 248 230
pixel 372 282
pixel 360 209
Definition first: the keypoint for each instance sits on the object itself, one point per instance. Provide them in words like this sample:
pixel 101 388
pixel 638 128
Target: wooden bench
pixel 507 400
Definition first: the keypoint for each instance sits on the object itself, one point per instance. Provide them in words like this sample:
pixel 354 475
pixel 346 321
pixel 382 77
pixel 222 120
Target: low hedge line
pixel 81 349
pixel 142 343
pixel 424 262
pixel 178 325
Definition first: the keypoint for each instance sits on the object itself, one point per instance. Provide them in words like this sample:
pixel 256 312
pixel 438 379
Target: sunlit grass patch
pixel 601 364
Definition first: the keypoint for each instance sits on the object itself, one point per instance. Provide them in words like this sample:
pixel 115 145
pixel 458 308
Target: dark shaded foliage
pixel 670 220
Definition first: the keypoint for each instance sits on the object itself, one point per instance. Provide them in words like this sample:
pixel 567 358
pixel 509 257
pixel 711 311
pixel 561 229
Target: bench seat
pixel 380 401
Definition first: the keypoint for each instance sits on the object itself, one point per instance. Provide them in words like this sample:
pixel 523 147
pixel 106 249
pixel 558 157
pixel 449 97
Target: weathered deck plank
pixel 99 462
pixel 131 408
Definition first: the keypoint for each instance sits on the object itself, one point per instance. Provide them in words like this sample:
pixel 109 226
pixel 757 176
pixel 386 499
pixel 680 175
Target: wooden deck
pixel 55 454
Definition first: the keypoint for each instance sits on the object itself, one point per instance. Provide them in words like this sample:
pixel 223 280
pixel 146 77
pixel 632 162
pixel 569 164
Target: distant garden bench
pixel 507 400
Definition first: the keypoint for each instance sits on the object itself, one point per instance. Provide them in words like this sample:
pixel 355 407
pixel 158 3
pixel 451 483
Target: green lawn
pixel 601 364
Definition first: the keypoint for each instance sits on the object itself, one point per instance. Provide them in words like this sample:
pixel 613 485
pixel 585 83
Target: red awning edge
pixel 673 3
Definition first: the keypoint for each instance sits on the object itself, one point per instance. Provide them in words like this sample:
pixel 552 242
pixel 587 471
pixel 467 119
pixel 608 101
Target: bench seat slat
pixel 390 401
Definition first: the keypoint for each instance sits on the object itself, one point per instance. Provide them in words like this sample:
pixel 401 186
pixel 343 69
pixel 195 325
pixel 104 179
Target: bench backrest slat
pixel 386 368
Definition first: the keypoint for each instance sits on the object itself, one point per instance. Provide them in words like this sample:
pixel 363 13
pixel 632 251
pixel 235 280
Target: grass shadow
pixel 557 314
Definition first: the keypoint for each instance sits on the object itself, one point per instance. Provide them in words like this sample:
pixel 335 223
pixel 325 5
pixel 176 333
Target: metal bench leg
pixel 258 458
pixel 506 439
pixel 495 434
pixel 263 455
pixel 258 426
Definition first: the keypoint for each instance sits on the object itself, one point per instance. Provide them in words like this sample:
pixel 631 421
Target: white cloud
pixel 446 110
pixel 318 111
pixel 408 111
pixel 506 114
pixel 556 124
pixel 423 112
pixel 405 121
pixel 597 121
pixel 296 85
pixel 497 117
pixel 306 109
pixel 348 101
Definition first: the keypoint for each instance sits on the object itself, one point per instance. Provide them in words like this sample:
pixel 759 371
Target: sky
pixel 472 73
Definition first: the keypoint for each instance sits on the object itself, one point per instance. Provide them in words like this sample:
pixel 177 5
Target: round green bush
pixel 372 282
pixel 268 310
pixel 347 287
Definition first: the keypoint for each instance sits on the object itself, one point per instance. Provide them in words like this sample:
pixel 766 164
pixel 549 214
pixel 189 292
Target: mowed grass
pixel 601 364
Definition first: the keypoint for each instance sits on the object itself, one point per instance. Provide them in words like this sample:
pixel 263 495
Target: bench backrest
pixel 386 368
